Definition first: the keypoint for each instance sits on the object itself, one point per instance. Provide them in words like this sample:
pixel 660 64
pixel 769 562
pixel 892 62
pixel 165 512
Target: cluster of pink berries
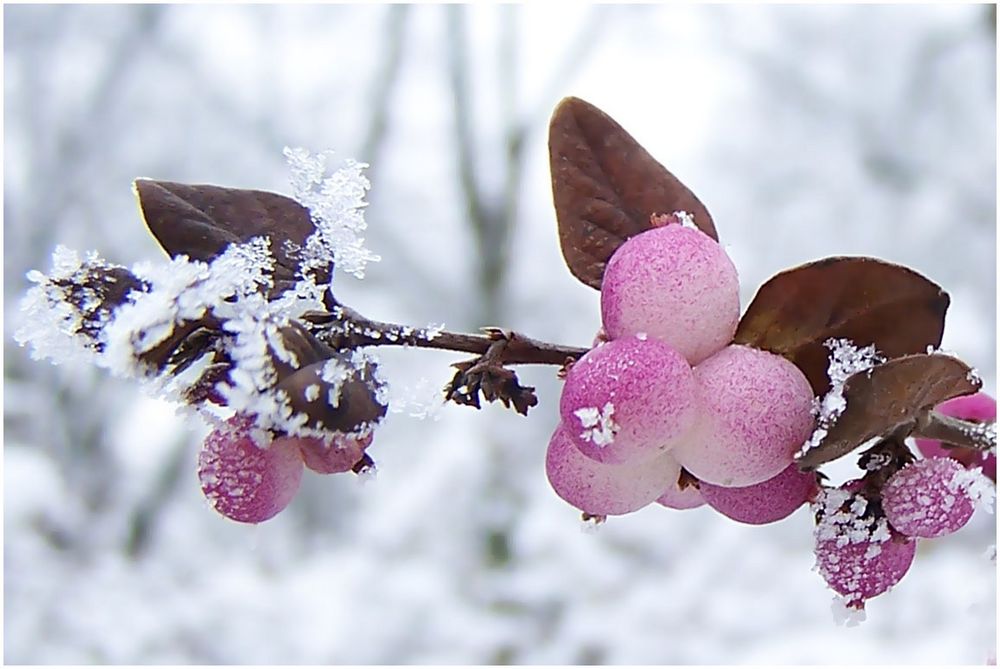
pixel 249 476
pixel 664 389
pixel 866 533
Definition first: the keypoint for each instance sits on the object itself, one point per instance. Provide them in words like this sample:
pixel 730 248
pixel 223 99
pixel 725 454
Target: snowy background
pixel 807 131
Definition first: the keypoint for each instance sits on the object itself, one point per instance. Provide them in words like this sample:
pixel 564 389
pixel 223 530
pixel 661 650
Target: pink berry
pixel 926 498
pixel 629 400
pixel 604 489
pixel 244 479
pixel 765 502
pixel 676 284
pixel 979 407
pixel 862 570
pixel 757 413
pixel 676 498
pixel 335 454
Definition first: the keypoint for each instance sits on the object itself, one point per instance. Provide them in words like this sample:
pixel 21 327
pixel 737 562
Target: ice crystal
pixel 335 202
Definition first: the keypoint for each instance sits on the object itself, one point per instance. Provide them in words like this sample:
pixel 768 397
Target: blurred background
pixel 807 131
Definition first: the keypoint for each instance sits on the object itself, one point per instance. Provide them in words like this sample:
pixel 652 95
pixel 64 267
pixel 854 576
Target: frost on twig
pixel 214 332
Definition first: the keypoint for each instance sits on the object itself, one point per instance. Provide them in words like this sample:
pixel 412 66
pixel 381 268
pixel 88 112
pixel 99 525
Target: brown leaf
pixel 200 221
pixel 888 397
pixel 865 300
pixel 606 187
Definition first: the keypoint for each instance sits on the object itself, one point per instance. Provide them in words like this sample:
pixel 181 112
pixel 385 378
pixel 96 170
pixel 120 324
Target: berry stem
pixel 954 432
pixel 343 327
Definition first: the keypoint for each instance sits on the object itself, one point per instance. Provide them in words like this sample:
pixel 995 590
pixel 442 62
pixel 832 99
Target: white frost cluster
pixel 977 486
pixel 846 359
pixel 336 202
pixel 599 425
pixel 686 219
pixel 842 519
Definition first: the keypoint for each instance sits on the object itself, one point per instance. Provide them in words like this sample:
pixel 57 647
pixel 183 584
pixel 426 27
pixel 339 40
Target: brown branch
pixel 343 327
pixel 955 432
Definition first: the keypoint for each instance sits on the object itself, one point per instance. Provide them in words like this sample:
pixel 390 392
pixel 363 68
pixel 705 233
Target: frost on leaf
pixel 335 202
pixel 846 359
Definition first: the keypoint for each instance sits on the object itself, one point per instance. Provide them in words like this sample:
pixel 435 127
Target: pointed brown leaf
pixel 200 221
pixel 888 397
pixel 605 187
pixel 865 300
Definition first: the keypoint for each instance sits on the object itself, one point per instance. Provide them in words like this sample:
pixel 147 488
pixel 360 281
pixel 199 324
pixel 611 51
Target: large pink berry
pixel 757 413
pixel 673 283
pixel 604 489
pixel 926 498
pixel 765 502
pixel 628 400
pixel 244 479
pixel 862 570
pixel 335 454
pixel 980 407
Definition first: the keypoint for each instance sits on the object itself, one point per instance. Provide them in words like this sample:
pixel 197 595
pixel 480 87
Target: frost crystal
pixel 846 615
pixel 599 426
pixel 686 219
pixel 846 359
pixel 980 489
pixel 335 202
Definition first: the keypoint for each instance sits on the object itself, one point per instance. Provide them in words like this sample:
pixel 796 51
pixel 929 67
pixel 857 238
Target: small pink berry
pixel 335 454
pixel 676 498
pixel 766 502
pixel 862 570
pixel 926 498
pixel 243 479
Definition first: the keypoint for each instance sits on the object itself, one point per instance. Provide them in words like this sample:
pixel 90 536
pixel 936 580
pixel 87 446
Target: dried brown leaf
pixel 200 221
pixel 606 187
pixel 865 300
pixel 890 397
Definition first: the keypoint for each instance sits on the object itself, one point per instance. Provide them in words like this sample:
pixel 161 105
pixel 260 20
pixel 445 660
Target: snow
pixel 599 425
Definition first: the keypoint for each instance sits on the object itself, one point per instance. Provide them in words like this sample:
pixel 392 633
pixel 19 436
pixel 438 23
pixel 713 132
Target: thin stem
pixel 952 432
pixel 344 327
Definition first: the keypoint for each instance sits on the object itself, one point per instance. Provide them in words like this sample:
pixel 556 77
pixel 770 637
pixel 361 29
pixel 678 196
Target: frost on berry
pixel 243 476
pixel 857 553
pixel 605 489
pixel 629 400
pixel 332 455
pixel 925 499
pixel 674 283
pixel 979 407
pixel 757 412
pixel 765 502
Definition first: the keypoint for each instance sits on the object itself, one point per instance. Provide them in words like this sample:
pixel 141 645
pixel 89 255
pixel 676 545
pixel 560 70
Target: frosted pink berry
pixel 628 400
pixel 604 489
pixel 862 570
pixel 979 407
pixel 926 498
pixel 757 413
pixel 676 284
pixel 765 502
pixel 332 455
pixel 676 498
pixel 246 480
